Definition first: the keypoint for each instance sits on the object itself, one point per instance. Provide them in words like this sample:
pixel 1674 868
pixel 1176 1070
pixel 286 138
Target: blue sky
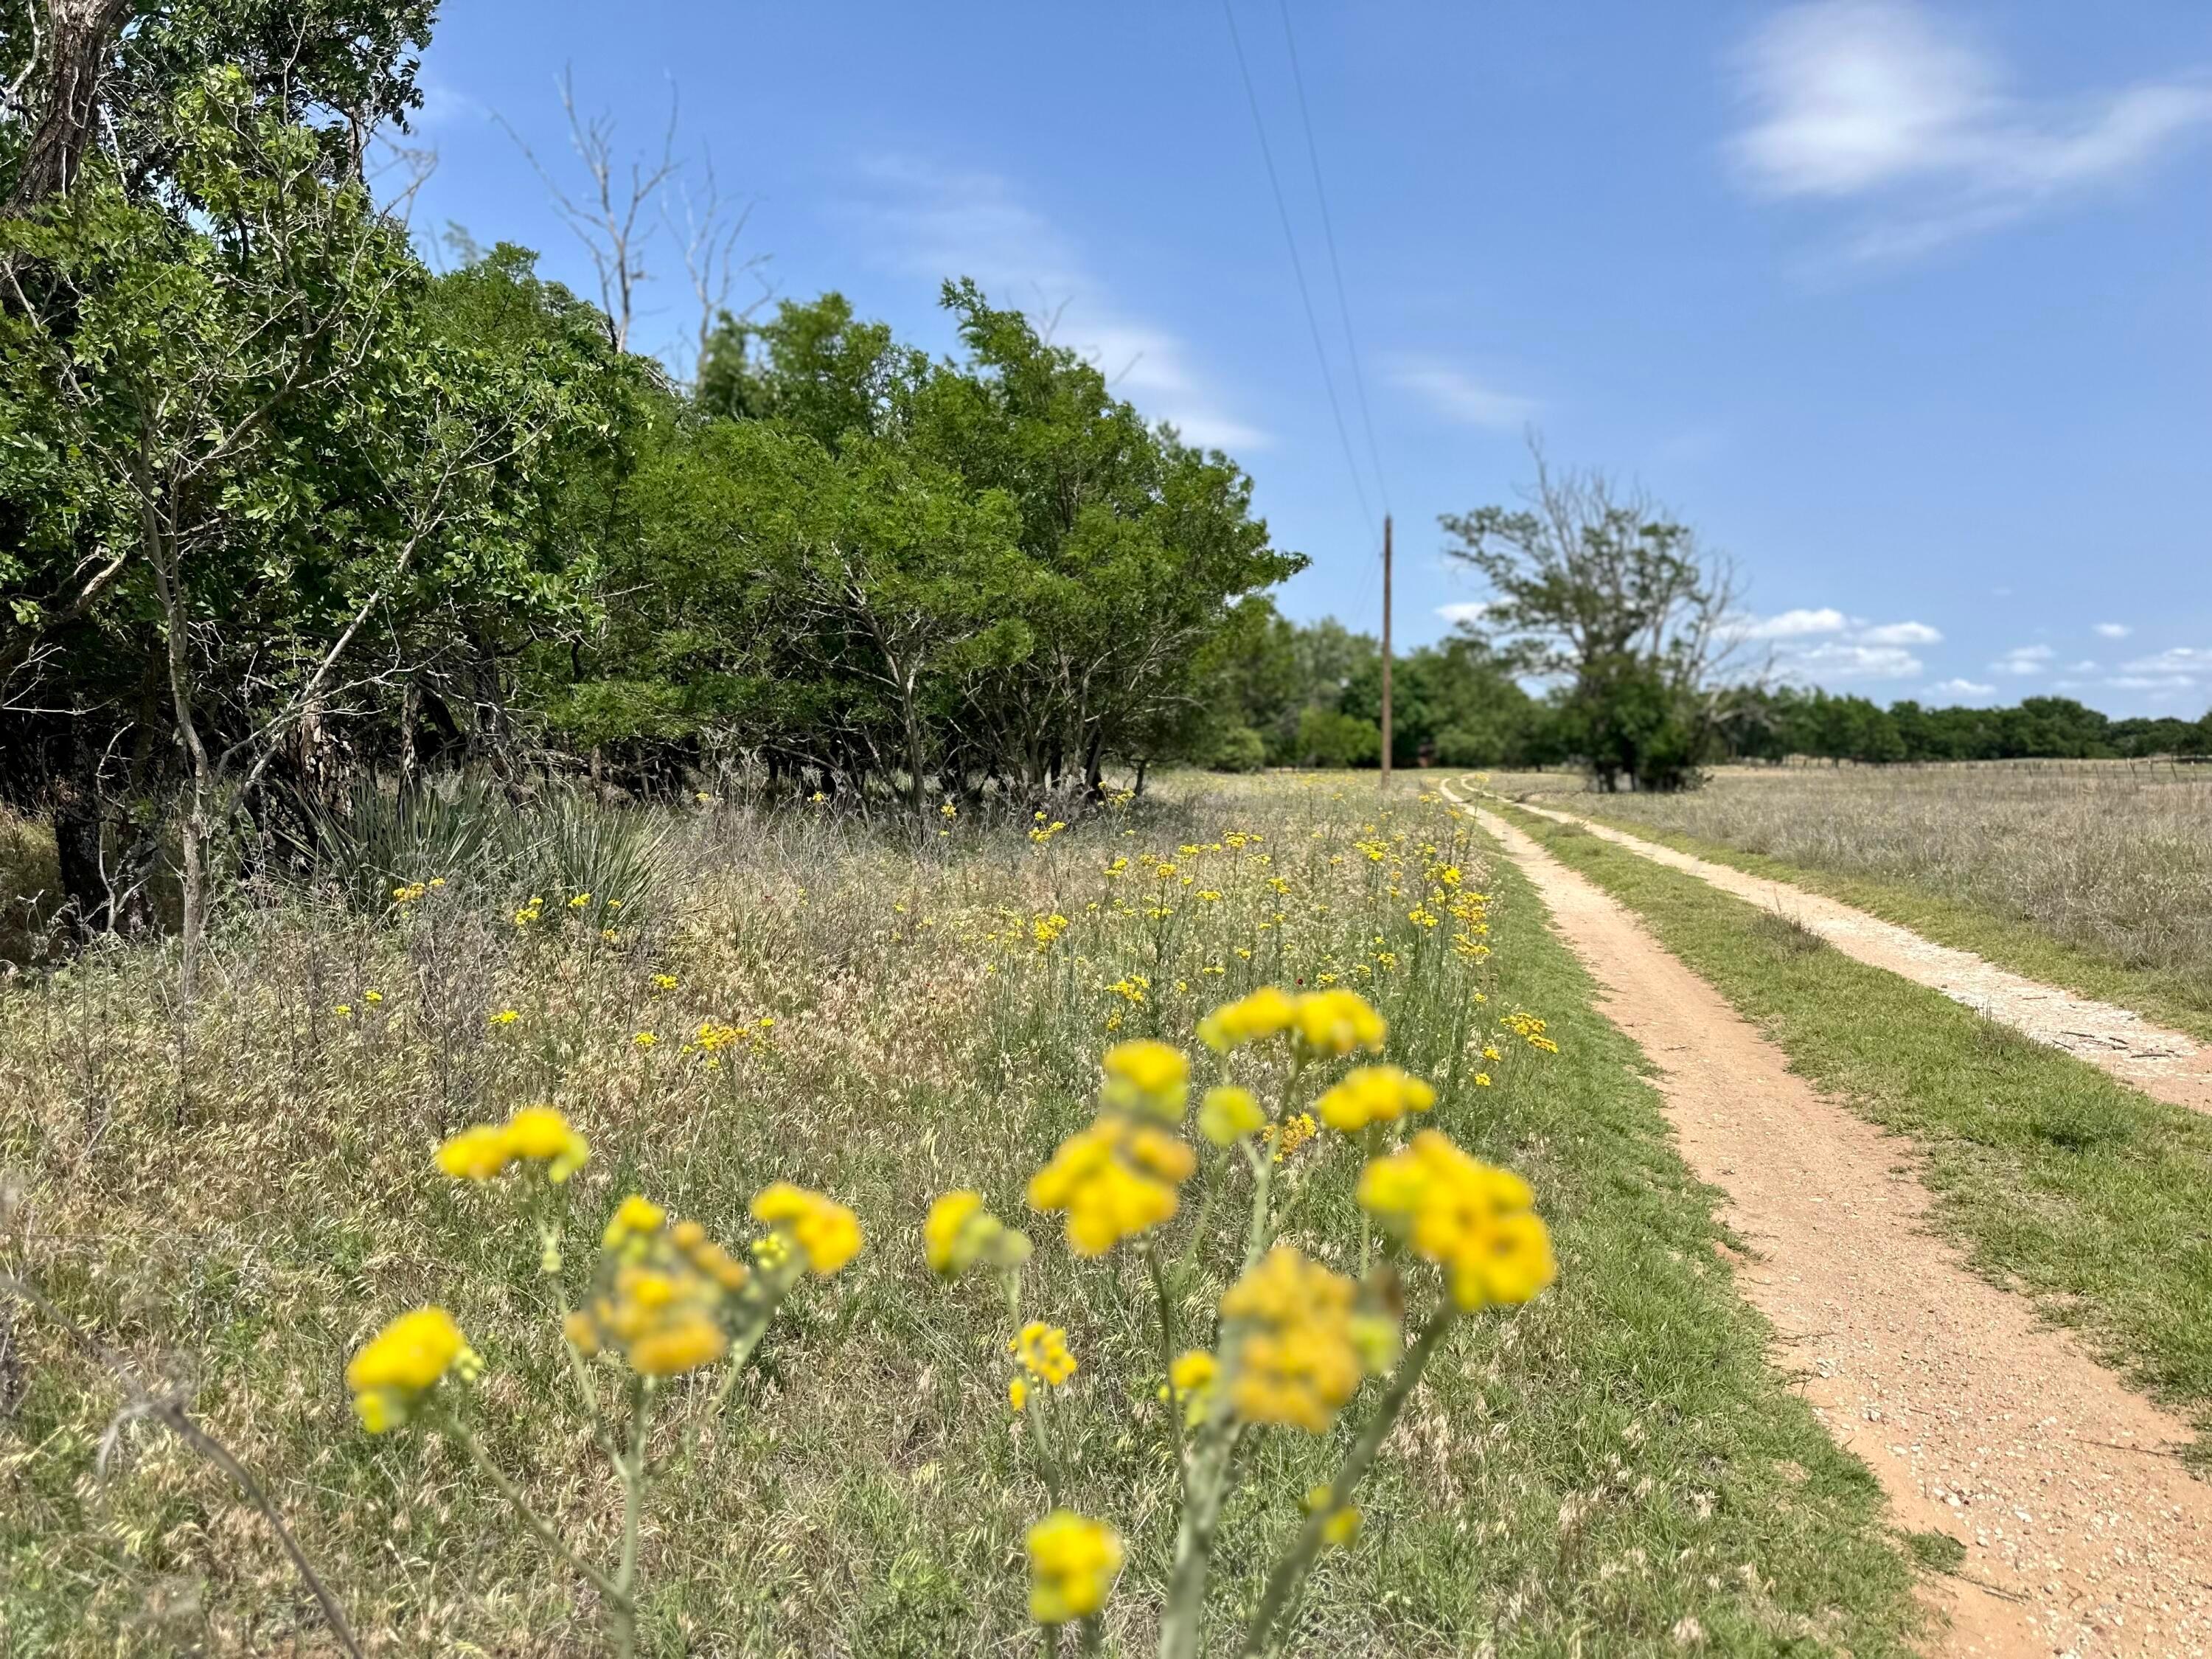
pixel 1908 307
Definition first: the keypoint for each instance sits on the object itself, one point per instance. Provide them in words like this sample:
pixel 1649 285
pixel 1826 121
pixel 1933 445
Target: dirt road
pixel 2083 1534
pixel 2164 1065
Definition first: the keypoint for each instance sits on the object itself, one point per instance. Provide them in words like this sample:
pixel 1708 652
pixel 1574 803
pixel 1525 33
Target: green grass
pixel 1595 1473
pixel 2056 1179
pixel 2172 996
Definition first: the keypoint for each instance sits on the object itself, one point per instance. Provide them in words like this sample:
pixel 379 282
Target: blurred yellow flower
pixel 1373 1094
pixel 1343 1524
pixel 539 1135
pixel 1073 1561
pixel 1113 1180
pixel 477 1153
pixel 1228 1113
pixel 1471 1218
pixel 1298 1357
pixel 1263 1013
pixel 1149 1078
pixel 1191 1380
pixel 1337 1022
pixel 402 1363
pixel 825 1229
pixel 1042 1350
pixel 634 1218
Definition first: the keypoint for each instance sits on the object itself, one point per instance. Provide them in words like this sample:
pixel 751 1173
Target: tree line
pixel 282 509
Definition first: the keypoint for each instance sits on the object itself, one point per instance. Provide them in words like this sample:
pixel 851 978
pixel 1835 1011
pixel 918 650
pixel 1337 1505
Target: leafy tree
pixel 1599 588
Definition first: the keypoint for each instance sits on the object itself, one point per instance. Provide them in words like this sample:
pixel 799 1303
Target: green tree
pixel 1602 590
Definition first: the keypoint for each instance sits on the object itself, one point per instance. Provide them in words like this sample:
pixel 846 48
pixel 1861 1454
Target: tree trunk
pixel 80 35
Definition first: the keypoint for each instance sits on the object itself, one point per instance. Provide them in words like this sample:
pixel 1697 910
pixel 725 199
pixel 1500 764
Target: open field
pixel 234 1203
pixel 2109 862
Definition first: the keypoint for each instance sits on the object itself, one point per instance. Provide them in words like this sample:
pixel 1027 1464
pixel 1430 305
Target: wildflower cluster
pixel 659 1300
pixel 539 1137
pixel 395 1371
pixel 1300 1342
pixel 1118 1177
pixel 1473 1220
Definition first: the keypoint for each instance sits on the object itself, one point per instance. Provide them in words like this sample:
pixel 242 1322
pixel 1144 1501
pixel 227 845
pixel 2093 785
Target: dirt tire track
pixel 2164 1065
pixel 2083 1533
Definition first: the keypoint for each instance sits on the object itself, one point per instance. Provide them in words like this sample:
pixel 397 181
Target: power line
pixel 1336 269
pixel 1297 268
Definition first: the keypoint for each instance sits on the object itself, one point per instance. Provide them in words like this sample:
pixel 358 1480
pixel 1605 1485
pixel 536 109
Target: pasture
pixel 719 998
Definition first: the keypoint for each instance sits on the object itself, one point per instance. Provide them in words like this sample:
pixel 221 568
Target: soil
pixel 2083 1533
pixel 2164 1065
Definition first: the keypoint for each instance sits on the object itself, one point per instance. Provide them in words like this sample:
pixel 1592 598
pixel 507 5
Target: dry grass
pixel 236 1202
pixel 2108 859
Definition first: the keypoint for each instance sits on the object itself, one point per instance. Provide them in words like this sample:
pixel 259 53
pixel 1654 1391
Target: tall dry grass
pixel 2111 859
pixel 233 1203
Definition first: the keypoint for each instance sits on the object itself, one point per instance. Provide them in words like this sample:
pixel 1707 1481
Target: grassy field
pixel 2056 1179
pixel 2096 876
pixel 233 1203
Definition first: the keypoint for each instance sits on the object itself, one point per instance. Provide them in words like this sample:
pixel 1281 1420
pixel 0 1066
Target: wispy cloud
pixel 2113 630
pixel 1467 611
pixel 1838 659
pixel 935 223
pixel 2181 659
pixel 1960 687
pixel 1887 102
pixel 1793 624
pixel 1822 643
pixel 1902 632
pixel 1458 396
pixel 2024 659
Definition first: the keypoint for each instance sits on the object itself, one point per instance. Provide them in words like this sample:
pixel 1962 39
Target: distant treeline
pixel 1310 694
pixel 1771 724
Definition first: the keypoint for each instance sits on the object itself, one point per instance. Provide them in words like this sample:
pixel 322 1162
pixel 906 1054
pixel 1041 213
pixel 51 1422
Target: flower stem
pixel 1290 1573
pixel 616 1596
pixel 1168 1358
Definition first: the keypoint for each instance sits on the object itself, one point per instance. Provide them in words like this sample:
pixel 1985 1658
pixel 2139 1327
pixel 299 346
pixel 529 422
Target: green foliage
pixel 382 840
pixel 1240 749
pixel 1329 738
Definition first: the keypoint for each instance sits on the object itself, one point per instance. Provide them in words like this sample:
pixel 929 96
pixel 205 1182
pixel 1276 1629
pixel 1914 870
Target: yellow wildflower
pixel 477 1153
pixel 1337 1022
pixel 1018 1392
pixel 828 1232
pixel 644 1040
pixel 1191 1380
pixel 1343 1524
pixel 1149 1078
pixel 1297 1361
pixel 1373 1094
pixel 1114 1180
pixel 505 1016
pixel 960 1232
pixel 1042 1350
pixel 539 1135
pixel 635 1218
pixel 1472 1219
pixel 1263 1013
pixel 402 1363
pixel 1073 1561
pixel 1227 1114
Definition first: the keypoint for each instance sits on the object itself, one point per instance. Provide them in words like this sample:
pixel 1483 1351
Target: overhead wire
pixel 1335 265
pixel 1298 269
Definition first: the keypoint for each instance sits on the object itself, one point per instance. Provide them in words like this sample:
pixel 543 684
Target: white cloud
pixel 1960 687
pixel 1837 660
pixel 936 224
pixel 1467 611
pixel 1458 397
pixel 1888 100
pixel 1793 624
pixel 1904 633
pixel 2113 630
pixel 2024 659
pixel 2181 659
pixel 2153 682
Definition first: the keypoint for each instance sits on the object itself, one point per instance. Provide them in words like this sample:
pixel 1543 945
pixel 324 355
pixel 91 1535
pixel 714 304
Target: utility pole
pixel 1386 651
